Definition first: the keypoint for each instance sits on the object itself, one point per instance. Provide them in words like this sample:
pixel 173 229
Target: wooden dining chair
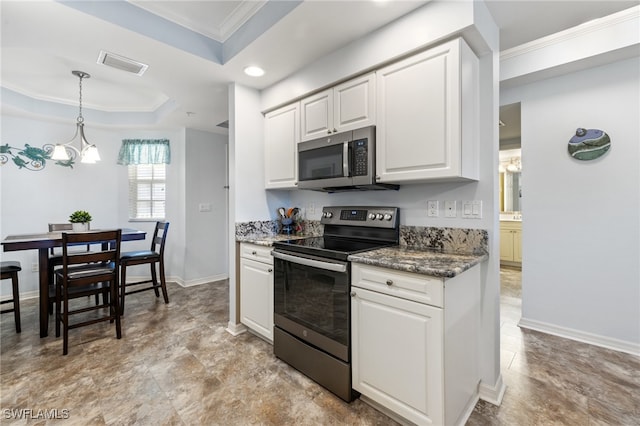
pixel 55 257
pixel 155 258
pixel 85 274
pixel 10 269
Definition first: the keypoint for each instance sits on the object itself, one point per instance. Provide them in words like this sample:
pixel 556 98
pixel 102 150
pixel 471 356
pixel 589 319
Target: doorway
pixel 511 212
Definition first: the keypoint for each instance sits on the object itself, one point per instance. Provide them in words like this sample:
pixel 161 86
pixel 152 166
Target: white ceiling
pixel 43 41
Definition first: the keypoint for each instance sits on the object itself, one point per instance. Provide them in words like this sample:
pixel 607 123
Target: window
pixel 147 195
pixel 146 160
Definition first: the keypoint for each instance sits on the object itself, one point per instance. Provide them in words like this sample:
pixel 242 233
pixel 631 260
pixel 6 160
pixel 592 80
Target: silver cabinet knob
pixel 328 131
pixel 270 270
pixel 254 252
pixel 335 131
pixel 353 294
pixel 389 282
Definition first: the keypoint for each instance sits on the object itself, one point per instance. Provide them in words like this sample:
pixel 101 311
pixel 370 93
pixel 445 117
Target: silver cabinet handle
pixel 335 267
pixel 389 282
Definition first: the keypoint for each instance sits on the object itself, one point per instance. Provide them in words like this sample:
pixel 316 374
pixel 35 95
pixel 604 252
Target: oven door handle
pixel 336 267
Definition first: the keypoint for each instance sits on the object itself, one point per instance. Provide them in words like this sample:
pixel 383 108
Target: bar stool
pixel 10 269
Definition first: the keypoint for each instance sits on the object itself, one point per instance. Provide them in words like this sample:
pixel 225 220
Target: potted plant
pixel 80 220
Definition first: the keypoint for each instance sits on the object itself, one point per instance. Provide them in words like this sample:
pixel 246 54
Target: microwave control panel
pixel 360 158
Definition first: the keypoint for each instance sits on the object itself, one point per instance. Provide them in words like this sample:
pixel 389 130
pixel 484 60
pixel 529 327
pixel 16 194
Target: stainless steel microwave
pixel 339 162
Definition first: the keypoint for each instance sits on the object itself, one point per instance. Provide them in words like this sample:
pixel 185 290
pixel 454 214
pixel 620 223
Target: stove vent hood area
pixel 340 162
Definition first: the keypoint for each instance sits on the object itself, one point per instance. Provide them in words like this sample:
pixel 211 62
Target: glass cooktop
pixel 330 247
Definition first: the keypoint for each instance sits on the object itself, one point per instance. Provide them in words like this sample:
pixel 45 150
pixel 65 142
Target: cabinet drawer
pixel 416 287
pixel 256 252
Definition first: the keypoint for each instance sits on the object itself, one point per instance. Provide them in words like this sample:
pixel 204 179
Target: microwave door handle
pixel 336 267
pixel 345 159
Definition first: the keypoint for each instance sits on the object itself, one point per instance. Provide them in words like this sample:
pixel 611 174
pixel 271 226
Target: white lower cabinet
pixel 256 289
pixel 417 360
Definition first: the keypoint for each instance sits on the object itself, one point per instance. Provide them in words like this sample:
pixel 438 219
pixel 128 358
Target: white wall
pixel 581 236
pixel 205 258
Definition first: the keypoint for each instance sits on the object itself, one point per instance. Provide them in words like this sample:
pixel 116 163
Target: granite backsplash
pixel 446 240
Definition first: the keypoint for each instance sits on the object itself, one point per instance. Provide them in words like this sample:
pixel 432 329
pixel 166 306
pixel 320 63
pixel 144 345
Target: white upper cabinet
pixel 427 116
pixel 282 134
pixel 347 106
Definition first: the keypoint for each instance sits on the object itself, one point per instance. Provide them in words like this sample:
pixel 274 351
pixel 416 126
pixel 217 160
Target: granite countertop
pixel 267 239
pixel 421 261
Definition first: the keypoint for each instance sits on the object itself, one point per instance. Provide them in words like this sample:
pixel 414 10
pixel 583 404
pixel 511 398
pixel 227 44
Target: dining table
pixel 43 242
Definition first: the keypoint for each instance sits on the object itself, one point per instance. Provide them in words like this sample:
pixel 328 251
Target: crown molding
pixel 572 33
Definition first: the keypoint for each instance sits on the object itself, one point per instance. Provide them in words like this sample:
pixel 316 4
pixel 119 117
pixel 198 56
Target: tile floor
pixel 176 364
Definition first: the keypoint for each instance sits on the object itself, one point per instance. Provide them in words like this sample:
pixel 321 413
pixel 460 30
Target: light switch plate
pixel 450 208
pixel 432 208
pixel 472 209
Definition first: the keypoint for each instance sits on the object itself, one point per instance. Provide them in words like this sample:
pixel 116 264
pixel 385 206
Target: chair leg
pixel 163 282
pixel 65 323
pixel 123 280
pixel 58 315
pixel 114 308
pixel 154 279
pixel 16 301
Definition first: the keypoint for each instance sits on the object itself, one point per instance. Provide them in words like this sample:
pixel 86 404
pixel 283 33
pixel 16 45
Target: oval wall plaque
pixel 589 144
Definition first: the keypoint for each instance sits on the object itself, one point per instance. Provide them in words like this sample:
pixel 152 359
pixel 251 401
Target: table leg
pixel 43 265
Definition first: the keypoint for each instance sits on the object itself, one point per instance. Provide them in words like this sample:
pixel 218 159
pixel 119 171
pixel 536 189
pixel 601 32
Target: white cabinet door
pixel 256 297
pixel 355 103
pixel 517 246
pixel 421 108
pixel 397 352
pixel 347 106
pixel 282 134
pixel 506 245
pixel 317 115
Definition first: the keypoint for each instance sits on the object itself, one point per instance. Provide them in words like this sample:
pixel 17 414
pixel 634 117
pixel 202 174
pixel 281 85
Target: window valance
pixel 144 151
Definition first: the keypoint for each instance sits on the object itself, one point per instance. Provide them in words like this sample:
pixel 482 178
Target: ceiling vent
pixel 122 63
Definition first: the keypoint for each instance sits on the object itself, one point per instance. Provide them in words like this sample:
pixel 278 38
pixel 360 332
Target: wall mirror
pixel 510 168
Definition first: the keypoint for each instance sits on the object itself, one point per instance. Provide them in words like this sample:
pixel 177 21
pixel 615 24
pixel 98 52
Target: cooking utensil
pixel 281 212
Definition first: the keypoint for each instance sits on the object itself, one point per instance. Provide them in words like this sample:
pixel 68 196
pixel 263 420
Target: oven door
pixel 311 300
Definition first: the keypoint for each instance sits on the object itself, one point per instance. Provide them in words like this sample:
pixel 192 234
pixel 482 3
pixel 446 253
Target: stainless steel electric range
pixel 312 279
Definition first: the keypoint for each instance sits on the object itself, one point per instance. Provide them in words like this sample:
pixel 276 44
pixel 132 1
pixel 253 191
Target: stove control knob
pixel 379 216
pixel 372 216
pixel 387 216
pixel 328 215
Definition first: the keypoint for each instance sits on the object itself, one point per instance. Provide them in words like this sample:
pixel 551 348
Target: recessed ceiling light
pixel 254 71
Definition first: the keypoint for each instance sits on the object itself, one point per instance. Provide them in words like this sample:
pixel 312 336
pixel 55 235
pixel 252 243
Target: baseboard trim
pixel 493 393
pixel 581 336
pixel 468 410
pixel 198 281
pixel 235 329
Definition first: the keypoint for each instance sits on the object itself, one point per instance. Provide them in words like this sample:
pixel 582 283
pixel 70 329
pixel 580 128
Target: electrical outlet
pixel 34 267
pixel 450 209
pixel 432 208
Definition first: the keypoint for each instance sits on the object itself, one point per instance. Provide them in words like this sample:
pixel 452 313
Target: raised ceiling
pixel 194 49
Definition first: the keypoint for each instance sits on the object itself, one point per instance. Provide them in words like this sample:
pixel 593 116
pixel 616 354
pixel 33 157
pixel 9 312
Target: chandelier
pixel 88 152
